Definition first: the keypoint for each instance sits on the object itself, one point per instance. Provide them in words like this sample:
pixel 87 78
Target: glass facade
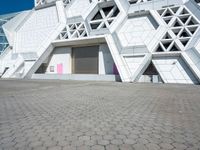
pixel 3 40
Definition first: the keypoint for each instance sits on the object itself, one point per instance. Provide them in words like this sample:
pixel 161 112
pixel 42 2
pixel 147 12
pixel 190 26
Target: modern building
pixel 128 40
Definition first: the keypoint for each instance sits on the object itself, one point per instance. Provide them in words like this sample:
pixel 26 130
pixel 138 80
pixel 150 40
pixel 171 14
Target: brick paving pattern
pixel 71 115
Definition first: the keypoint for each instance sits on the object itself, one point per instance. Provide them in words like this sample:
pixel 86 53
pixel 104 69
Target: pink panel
pixel 60 68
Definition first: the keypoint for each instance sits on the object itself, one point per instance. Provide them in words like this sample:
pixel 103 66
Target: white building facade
pixel 128 40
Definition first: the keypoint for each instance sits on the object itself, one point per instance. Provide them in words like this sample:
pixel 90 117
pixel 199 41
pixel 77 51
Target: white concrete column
pixel 101 60
pixel 61 11
pixel 69 60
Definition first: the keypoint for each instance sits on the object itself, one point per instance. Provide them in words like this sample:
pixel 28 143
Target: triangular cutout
pixel 174 9
pixel 177 23
pixel 97 16
pixel 81 32
pixel 133 1
pixel 151 70
pixel 174 48
pixel 104 25
pixel 167 20
pixel 167 36
pixel 192 29
pixel 95 25
pixel 161 12
pixel 184 34
pixel 184 12
pixel 71 32
pixel 75 35
pixel 159 49
pixel 84 35
pixel 115 13
pixel 81 26
pixel 184 19
pixel 184 41
pixel 166 43
pixel 63 35
pixel 78 24
pixel 176 31
pixel 72 27
pixel 107 10
pixel 192 22
pixel 167 13
pixel 197 1
pixel 110 22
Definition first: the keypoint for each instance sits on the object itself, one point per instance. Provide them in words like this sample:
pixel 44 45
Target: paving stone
pixel 21 145
pixel 102 115
pixel 50 143
pixel 90 142
pixel 55 148
pixel 116 142
pixel 108 137
pixel 103 142
pixel 63 143
pixel 40 148
pixel 142 141
pixel 112 147
pixel 139 147
pixel 68 147
pixel 84 138
pixel 77 143
pixel 152 146
pixel 96 137
pixel 83 147
pixel 118 136
pixel 35 144
pixel 166 146
pixel 179 146
pixel 126 147
pixel 97 147
pixel 129 141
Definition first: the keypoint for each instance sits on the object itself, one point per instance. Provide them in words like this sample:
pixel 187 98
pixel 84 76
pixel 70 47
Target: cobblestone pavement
pixel 69 115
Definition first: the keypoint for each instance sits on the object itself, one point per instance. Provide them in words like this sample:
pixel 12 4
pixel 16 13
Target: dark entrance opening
pixel 85 60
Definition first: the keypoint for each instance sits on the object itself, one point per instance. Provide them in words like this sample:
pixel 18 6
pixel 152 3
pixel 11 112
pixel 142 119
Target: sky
pixel 9 6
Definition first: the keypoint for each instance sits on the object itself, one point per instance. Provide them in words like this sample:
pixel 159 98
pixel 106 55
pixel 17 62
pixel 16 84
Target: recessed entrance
pixel 85 60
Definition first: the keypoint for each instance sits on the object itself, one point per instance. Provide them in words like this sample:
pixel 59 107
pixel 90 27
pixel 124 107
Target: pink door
pixel 60 68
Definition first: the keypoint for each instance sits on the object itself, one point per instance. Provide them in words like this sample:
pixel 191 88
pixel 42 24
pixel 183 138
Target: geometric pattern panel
pixel 167 44
pixel 43 2
pixel 182 25
pixel 174 70
pixel 104 17
pixel 71 31
pixel 138 1
pixel 99 0
pixel 40 2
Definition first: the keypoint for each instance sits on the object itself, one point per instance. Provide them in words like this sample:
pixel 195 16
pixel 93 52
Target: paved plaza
pixel 69 115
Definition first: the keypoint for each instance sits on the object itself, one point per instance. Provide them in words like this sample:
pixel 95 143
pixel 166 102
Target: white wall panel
pixel 77 8
pixel 38 27
pixel 59 56
pixel 106 62
pixel 136 31
pixel 174 70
